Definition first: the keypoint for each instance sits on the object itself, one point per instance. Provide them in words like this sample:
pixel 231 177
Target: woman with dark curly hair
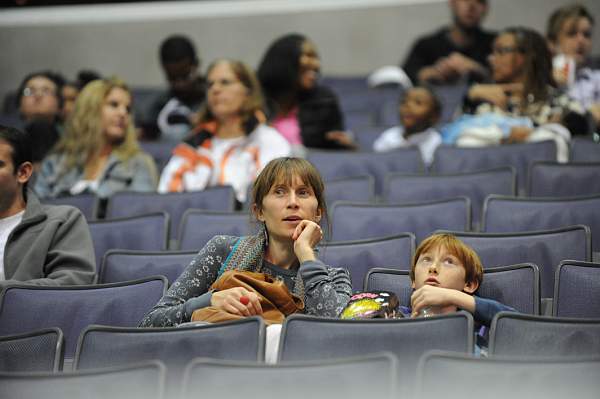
pixel 303 111
pixel 523 93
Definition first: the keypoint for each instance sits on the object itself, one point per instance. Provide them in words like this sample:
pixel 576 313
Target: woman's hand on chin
pixel 306 237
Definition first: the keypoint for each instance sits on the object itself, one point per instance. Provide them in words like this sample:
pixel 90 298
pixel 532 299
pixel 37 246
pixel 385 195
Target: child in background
pixel 445 274
pixel 419 111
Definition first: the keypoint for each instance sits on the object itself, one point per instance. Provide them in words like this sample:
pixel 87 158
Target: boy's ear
pixel 471 287
pixel 412 285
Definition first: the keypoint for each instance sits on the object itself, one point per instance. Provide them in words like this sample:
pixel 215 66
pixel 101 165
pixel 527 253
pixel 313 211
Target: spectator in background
pixel 40 103
pixel 70 91
pixel 187 88
pixel 454 52
pixel 522 105
pixel 231 143
pixel 569 34
pixel 99 152
pixel 304 112
pixel 39 244
pixel 419 112
pixel 39 97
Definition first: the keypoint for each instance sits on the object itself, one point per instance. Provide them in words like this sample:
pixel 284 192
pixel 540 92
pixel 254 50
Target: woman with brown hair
pixel 288 201
pixel 231 143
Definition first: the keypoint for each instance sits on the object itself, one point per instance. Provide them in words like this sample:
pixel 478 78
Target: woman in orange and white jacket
pixel 232 143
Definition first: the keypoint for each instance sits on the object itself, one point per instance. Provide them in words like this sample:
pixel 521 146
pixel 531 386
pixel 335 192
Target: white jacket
pixel 235 162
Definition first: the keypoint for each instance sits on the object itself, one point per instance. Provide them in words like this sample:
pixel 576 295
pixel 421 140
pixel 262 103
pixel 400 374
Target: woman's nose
pixel 292 200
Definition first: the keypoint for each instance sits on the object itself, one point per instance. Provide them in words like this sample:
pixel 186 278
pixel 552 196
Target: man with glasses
pixel 39 97
pixel 456 52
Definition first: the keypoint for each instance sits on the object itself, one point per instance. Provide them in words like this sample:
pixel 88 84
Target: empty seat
pixel 404 188
pixel 514 334
pixel 305 338
pixel 102 346
pixel 359 256
pixel 86 203
pixel 576 289
pixel 452 159
pixel 338 164
pixel 124 265
pixel 546 248
pixel 510 214
pixel 353 221
pixel 514 285
pixel 123 204
pixel 553 179
pixel 141 381
pixel 199 226
pixel 584 150
pixel 40 350
pixel 72 308
pixel 356 188
pixel 147 232
pixel 350 378
pixel 445 375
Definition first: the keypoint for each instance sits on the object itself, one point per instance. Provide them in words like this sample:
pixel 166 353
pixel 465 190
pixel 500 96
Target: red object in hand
pixel 244 300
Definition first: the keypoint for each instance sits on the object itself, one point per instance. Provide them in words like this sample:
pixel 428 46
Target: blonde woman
pixel 99 152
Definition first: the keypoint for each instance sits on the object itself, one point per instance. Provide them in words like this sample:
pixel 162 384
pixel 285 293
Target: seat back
pixel 199 226
pixel 445 375
pixel 72 308
pixel 576 289
pixel 147 232
pixel 305 338
pixel 515 285
pixel 86 203
pixel 403 188
pixel 102 346
pixel 584 150
pixel 451 159
pixel 512 214
pixel 553 179
pixel 123 265
pixel 123 204
pixel 546 249
pixel 40 350
pixel 361 255
pixel 140 381
pixel 338 164
pixel 357 189
pixel 515 334
pixel 351 378
pixel 353 221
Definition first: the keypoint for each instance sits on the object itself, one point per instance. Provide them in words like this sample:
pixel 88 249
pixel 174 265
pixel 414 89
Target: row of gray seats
pixel 73 309
pixel 309 341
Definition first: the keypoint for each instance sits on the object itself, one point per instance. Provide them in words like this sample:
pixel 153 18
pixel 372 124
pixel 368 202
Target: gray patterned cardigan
pixel 326 289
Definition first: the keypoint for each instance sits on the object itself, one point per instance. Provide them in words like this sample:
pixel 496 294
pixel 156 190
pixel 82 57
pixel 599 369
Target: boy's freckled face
pixel 440 268
pixel 417 110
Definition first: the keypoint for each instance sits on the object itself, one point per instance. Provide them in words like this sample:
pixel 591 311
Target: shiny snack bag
pixel 371 305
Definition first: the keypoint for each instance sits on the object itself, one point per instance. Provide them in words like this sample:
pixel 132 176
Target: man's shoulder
pixel 433 38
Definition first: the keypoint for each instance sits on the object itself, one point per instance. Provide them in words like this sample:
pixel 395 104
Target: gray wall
pixel 354 37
